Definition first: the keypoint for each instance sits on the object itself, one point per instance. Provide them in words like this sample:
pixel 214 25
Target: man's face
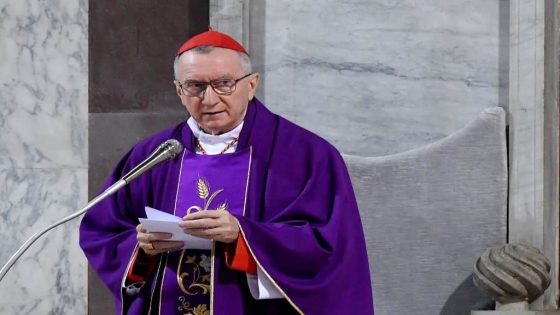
pixel 215 113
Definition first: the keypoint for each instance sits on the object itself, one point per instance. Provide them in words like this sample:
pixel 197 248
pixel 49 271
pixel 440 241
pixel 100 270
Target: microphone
pixel 165 151
pixel 168 150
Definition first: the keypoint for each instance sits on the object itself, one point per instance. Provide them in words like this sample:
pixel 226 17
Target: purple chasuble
pixel 300 222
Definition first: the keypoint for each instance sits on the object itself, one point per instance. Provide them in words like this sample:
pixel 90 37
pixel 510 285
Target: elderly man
pixel 274 199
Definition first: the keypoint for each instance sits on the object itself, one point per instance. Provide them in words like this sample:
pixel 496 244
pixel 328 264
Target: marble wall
pixel 377 77
pixel 43 152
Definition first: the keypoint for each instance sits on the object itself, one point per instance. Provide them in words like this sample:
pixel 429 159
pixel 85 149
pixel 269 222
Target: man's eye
pixel 222 83
pixel 196 85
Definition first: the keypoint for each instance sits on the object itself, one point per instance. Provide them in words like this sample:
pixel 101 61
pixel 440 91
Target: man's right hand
pixel 155 243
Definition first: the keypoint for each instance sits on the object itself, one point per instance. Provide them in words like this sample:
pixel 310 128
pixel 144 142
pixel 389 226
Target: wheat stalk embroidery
pixel 203 189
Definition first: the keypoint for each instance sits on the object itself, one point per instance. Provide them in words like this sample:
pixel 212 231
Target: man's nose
pixel 209 96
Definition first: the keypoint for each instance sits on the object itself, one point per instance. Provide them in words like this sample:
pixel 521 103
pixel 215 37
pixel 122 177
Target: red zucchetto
pixel 212 38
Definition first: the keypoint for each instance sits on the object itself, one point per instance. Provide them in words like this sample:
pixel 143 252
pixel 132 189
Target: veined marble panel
pixel 380 77
pixel 50 278
pixel 43 86
pixel 43 152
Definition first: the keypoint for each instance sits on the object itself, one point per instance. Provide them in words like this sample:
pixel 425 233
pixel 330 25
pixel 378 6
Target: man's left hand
pixel 215 225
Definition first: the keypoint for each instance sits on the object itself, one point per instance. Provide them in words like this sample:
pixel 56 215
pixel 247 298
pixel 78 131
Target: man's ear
pixel 253 84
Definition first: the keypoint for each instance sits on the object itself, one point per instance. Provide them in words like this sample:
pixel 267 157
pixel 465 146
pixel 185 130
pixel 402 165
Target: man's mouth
pixel 213 113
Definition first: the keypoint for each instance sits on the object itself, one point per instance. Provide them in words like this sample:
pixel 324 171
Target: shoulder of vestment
pixel 293 135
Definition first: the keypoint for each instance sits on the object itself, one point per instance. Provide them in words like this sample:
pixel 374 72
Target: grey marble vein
pixel 43 86
pixel 51 276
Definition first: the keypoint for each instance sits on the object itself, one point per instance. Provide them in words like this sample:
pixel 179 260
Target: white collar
pixel 206 138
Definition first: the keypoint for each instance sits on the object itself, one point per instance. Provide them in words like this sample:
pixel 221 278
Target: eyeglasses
pixel 221 86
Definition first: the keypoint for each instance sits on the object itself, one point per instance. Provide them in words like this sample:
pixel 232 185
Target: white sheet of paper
pixel 159 221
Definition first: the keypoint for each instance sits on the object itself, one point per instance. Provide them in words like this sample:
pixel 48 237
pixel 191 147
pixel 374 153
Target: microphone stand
pixel 167 150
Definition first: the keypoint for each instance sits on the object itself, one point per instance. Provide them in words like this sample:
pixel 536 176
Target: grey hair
pixel 245 62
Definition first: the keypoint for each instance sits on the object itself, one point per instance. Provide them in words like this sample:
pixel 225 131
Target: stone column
pixel 533 133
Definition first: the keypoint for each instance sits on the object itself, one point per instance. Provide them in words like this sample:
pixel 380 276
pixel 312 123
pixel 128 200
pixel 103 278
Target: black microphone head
pixel 173 147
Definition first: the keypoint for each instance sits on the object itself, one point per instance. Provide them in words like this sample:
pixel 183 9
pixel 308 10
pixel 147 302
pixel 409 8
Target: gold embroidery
pixel 199 279
pixel 201 309
pixel 190 259
pixel 199 282
pixel 248 178
pixel 203 189
pixel 207 204
pixel 185 306
pixel 213 265
pixel 223 206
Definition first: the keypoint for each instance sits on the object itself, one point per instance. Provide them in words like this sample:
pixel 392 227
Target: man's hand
pixel 215 225
pixel 155 243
